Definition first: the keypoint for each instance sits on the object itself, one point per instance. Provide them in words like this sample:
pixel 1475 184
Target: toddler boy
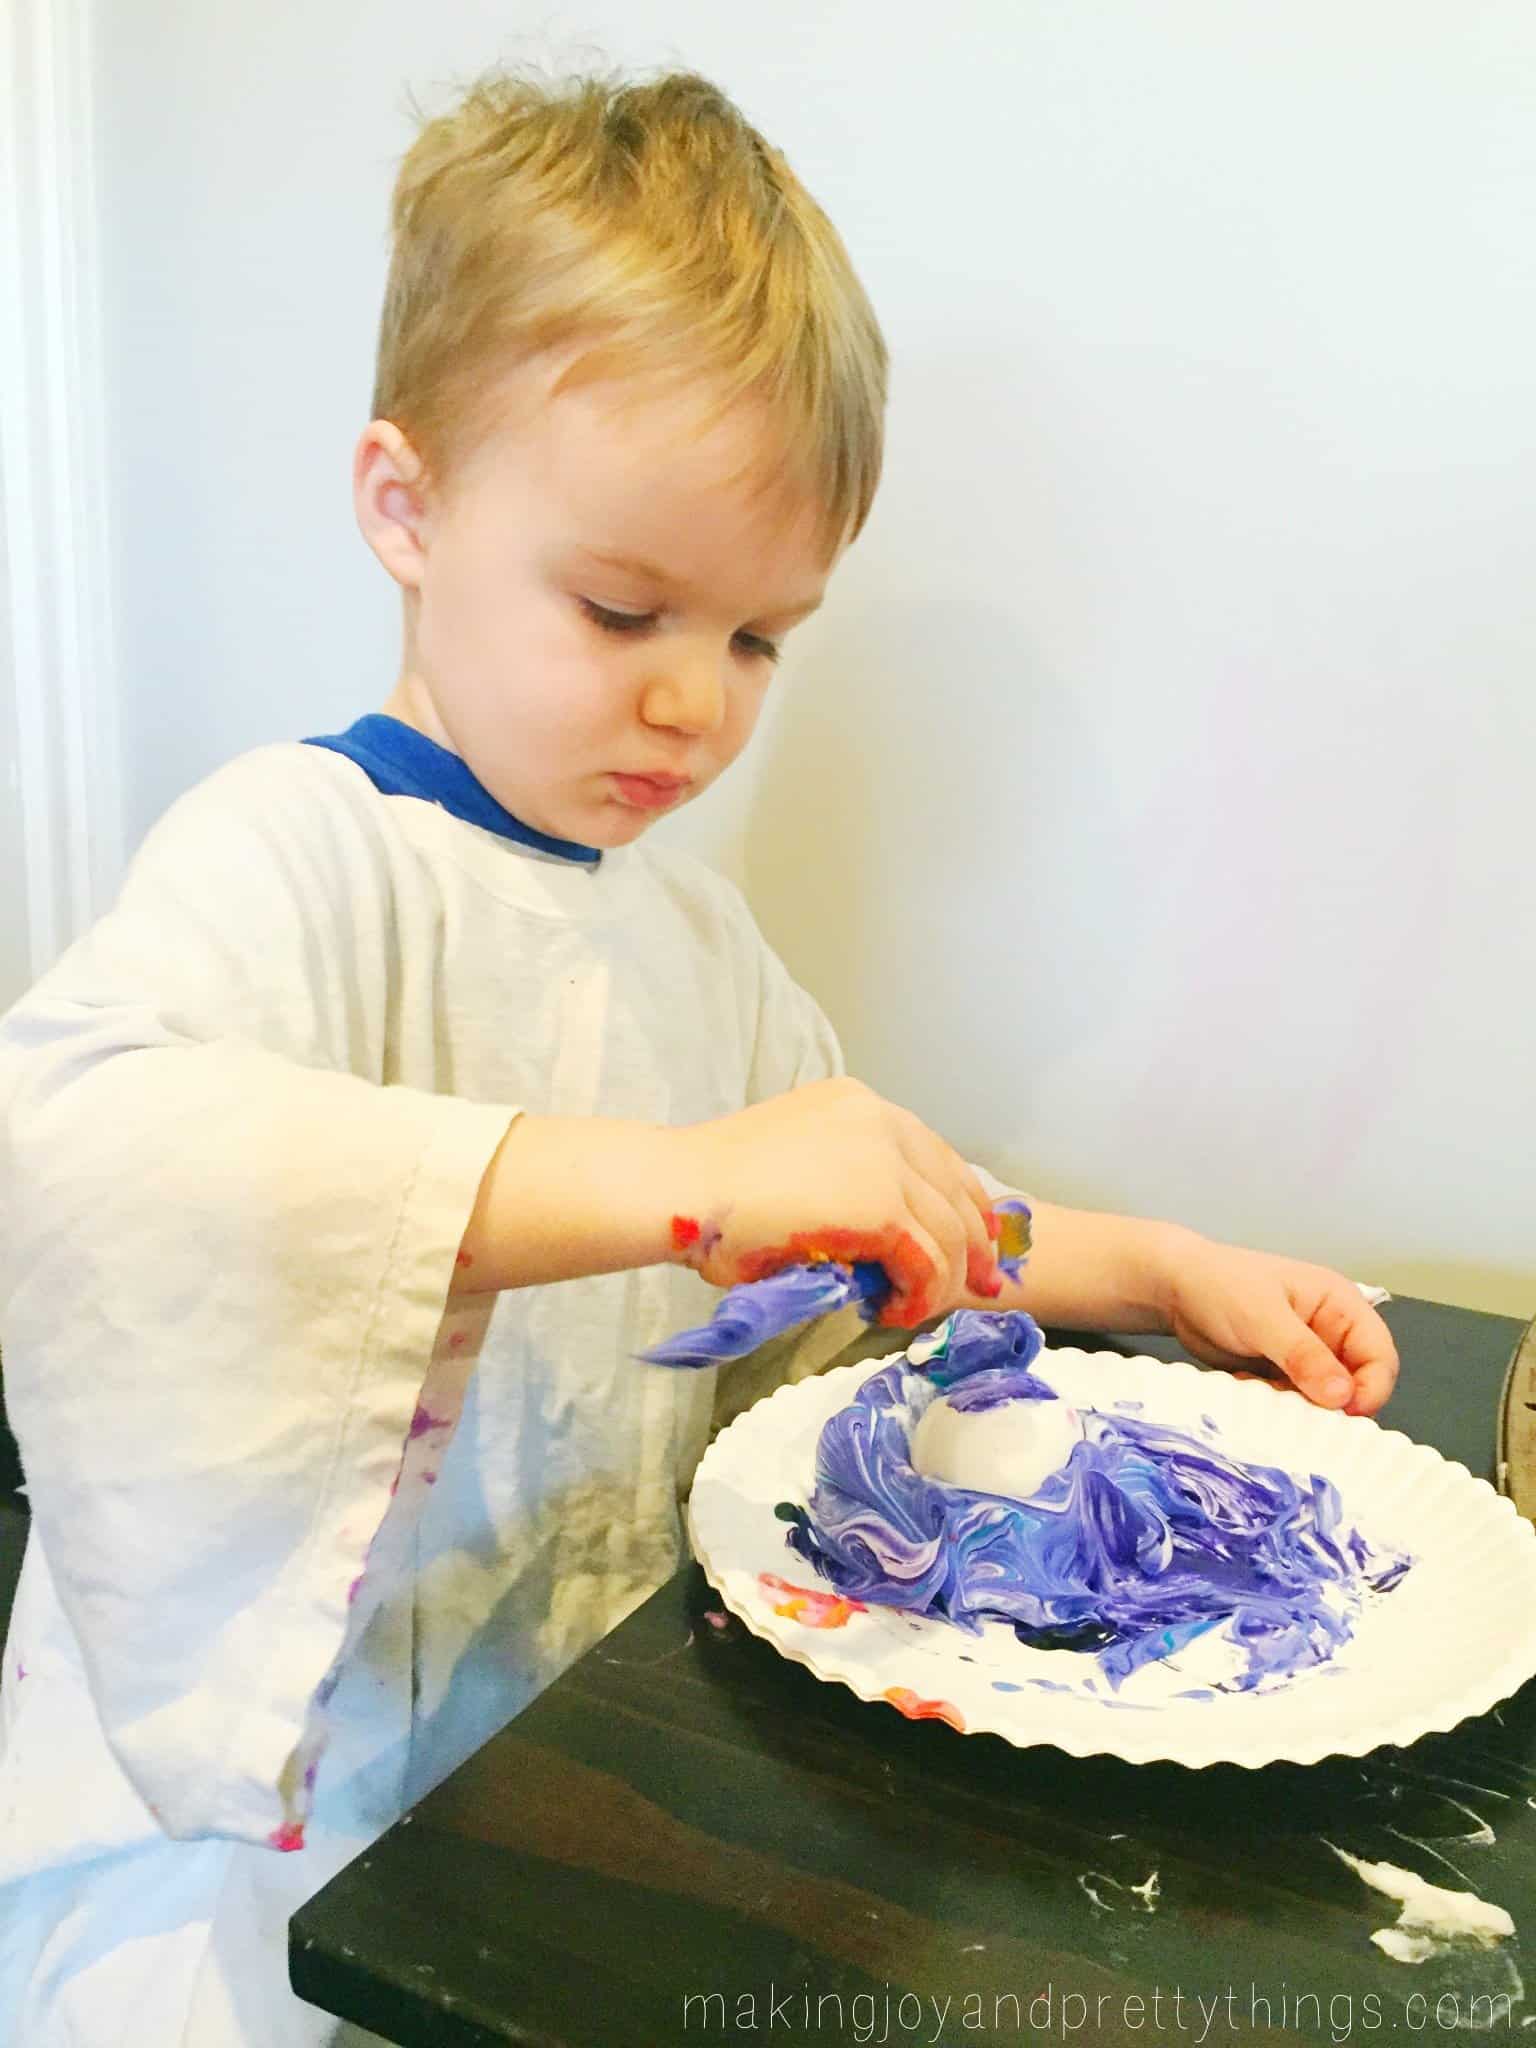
pixel 343 1159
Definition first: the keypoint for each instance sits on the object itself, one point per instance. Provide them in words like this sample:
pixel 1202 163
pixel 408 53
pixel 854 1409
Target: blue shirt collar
pixel 399 761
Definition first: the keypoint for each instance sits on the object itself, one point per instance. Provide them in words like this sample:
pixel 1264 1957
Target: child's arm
pixel 830 1166
pixel 1225 1305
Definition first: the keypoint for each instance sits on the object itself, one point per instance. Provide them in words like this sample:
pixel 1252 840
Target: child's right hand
pixel 833 1170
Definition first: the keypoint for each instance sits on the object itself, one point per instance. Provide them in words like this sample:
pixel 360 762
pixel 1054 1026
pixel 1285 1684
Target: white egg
pixel 1012 1449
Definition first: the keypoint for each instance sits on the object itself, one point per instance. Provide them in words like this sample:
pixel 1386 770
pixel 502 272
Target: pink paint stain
pixel 352 1589
pixel 21 1669
pixel 455 1340
pixel 421 1422
pixel 716 1619
pixel 309 1778
pixel 288 1837
pixel 815 1610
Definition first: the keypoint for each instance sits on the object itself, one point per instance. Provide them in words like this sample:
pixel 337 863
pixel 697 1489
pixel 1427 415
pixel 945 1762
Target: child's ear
pixel 389 498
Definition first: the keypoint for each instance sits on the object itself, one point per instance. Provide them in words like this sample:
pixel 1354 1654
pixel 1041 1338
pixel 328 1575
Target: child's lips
pixel 650 792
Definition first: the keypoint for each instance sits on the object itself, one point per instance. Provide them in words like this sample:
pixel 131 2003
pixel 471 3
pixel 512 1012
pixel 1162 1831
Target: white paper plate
pixel 1452 1638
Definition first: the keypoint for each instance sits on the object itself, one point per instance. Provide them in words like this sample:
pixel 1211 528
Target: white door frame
pixel 56 625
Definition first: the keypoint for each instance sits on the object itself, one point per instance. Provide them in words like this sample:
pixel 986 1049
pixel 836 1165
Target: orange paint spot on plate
pixel 805 1604
pixel 915 1709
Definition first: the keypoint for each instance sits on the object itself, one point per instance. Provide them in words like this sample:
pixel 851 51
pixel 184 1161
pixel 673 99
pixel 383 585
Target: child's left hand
pixel 1237 1308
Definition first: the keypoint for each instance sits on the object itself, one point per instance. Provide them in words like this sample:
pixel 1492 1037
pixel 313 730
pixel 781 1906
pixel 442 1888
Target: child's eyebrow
pixel 648 572
pixel 631 563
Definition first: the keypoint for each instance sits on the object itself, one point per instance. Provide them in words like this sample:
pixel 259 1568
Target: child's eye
pixel 754 643
pixel 613 621
pixel 616 622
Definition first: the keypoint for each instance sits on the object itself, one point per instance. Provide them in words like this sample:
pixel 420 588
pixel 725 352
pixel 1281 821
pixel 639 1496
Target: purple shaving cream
pixel 1143 1540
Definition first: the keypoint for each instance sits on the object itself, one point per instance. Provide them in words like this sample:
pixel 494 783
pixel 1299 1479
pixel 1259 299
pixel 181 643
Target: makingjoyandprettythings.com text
pixel 873 2019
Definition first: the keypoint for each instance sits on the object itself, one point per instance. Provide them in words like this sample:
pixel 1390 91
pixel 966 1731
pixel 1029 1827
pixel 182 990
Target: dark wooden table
pixel 688 1838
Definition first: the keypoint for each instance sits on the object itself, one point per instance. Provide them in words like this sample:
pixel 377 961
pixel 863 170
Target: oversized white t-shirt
pixel 306 1532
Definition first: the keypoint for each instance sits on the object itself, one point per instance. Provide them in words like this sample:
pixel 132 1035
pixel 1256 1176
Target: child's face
pixel 593 607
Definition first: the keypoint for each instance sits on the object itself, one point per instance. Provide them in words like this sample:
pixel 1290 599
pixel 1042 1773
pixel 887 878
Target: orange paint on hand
pixel 907 1266
pixel 463 1259
pixel 903 1697
pixel 685 1231
pixel 814 1609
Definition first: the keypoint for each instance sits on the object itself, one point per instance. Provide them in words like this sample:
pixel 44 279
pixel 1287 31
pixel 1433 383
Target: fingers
pixel 943 1171
pixel 944 1227
pixel 1274 1382
pixel 1312 1324
pixel 1357 1336
pixel 918 1263
pixel 926 1260
pixel 1373 1387
pixel 1213 1354
pixel 1305 1359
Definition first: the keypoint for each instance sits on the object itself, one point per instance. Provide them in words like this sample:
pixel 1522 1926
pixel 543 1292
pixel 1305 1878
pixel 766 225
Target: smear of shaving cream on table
pixel 1432 1919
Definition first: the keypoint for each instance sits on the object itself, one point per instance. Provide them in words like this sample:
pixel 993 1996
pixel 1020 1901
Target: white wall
pixel 15 936
pixel 1152 804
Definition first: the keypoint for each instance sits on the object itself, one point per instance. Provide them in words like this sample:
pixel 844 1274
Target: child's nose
pixel 689 697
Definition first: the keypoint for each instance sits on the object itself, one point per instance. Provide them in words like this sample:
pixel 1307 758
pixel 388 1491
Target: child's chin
pixel 620 824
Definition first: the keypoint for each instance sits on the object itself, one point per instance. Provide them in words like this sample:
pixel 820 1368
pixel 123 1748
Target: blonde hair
pixel 652 226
